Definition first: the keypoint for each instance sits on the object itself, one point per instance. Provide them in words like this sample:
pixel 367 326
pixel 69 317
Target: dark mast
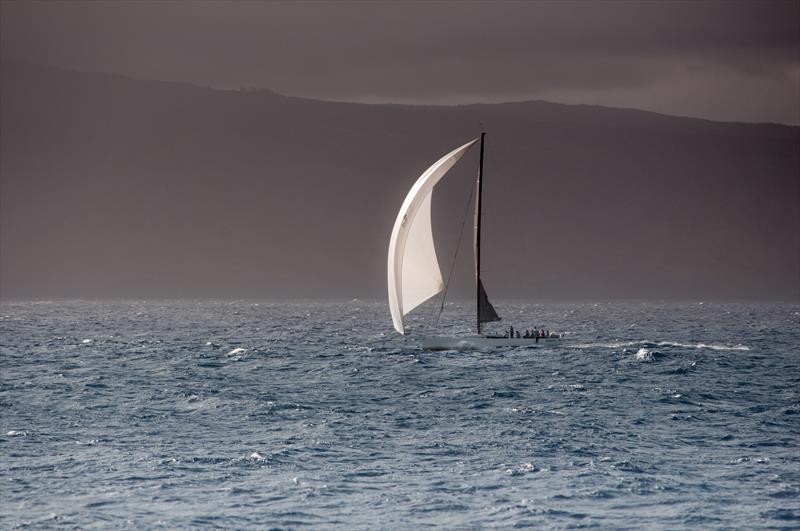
pixel 478 240
pixel 485 311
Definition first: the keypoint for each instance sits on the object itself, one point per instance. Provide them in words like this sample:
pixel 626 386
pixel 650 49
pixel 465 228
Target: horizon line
pixel 278 300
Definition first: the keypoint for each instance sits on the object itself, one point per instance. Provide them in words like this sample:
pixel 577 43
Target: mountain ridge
pixel 271 92
pixel 124 187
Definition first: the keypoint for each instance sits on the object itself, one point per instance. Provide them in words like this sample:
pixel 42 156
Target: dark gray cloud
pixel 721 60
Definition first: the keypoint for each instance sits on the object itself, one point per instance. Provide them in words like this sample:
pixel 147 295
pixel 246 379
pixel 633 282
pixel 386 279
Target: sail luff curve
pixel 413 269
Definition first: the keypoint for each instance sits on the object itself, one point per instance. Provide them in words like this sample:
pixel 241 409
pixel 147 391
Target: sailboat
pixel 413 268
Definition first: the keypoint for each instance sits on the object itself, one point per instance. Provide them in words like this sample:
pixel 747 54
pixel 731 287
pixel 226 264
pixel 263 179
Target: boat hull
pixel 483 342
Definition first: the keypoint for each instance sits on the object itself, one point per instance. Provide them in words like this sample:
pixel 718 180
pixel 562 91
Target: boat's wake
pixel 662 344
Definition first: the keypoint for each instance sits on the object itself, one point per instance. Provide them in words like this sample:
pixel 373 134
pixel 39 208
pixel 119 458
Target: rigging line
pixel 455 254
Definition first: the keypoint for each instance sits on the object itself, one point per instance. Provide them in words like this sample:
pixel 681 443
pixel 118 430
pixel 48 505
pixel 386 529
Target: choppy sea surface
pixel 235 414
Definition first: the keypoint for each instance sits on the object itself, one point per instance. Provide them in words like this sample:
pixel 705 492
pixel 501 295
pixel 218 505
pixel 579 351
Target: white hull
pixel 483 342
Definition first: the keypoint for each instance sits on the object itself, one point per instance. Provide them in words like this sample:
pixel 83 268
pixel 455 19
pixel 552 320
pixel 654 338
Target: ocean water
pixel 235 414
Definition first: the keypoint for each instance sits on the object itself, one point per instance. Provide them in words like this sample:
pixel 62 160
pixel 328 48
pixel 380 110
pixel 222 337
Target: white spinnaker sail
pixel 413 271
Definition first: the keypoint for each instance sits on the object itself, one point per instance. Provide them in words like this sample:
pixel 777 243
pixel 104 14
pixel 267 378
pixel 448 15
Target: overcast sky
pixel 723 60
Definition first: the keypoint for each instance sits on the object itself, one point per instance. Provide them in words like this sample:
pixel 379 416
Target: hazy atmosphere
pixel 119 182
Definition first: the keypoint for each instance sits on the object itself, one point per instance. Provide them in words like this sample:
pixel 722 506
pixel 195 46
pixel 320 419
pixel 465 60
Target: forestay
pixel 413 273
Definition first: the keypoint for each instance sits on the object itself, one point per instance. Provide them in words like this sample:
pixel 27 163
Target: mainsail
pixel 413 273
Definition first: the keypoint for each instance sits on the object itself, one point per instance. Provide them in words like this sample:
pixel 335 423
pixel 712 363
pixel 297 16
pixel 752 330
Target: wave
pixel 652 344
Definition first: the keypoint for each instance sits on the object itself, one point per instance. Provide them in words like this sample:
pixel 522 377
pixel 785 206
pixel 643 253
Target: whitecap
pixel 236 351
pixel 702 345
pixel 722 347
pixel 519 470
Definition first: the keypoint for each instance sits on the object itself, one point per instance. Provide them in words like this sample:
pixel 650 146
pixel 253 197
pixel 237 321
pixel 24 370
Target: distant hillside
pixel 119 187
